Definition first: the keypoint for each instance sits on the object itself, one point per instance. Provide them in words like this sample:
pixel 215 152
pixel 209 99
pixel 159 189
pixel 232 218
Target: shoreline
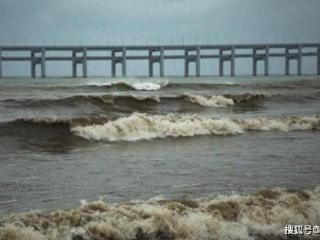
pixel 260 215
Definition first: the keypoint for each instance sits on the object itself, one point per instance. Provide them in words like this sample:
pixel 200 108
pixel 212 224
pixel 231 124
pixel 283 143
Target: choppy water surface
pixel 168 139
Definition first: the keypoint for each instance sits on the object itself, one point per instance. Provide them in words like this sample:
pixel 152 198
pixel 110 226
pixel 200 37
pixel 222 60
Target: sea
pixel 159 158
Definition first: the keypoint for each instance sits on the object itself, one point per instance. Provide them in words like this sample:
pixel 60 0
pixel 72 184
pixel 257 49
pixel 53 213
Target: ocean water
pixel 169 158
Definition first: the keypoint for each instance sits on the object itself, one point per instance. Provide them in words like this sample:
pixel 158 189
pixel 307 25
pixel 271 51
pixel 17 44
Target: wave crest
pixel 136 85
pixel 223 100
pixel 143 126
pixel 212 101
pixel 56 122
pixel 107 100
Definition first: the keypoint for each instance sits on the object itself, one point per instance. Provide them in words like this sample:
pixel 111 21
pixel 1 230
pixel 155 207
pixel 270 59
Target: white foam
pixel 99 84
pixel 147 86
pixel 211 101
pixel 262 215
pixel 141 98
pixel 143 126
pixel 137 85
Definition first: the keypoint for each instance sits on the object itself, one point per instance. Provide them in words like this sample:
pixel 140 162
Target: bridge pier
pixel 318 61
pixel 119 60
pixel 156 59
pixel 227 58
pixel 113 64
pixel 293 56
pixel 195 57
pixel 74 64
pixel 257 53
pixel 33 65
pixel 82 60
pixel 43 63
pixel 84 63
pixel 0 63
pixel 261 57
pixel 150 64
pixel 38 60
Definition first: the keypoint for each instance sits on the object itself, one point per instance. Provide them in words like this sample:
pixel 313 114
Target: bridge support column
pixel 82 60
pixel 198 62
pixel 299 59
pixel 266 62
pixel 33 70
pixel 260 57
pixel 38 60
pixel 124 62
pixel 33 67
pixel 84 63
pixel 0 63
pixel 297 55
pixel 232 62
pixel 255 62
pixel 318 61
pixel 113 64
pixel 227 58
pixel 161 62
pixel 221 62
pixel 287 64
pixel 190 57
pixel 186 63
pixel 156 59
pixel 43 63
pixel 150 64
pixel 74 64
pixel 118 60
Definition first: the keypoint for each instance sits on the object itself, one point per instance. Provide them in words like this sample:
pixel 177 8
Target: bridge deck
pixel 80 55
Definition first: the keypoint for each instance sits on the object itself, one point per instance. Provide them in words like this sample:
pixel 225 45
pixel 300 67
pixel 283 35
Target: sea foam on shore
pixel 262 215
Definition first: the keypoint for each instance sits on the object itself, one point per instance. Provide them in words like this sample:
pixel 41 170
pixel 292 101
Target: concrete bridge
pixel 158 54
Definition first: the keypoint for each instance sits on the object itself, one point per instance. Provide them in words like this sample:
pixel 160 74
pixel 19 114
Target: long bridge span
pixel 38 56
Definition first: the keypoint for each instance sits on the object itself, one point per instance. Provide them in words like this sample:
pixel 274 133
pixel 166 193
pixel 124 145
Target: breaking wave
pixel 259 216
pixel 136 85
pixel 146 86
pixel 212 101
pixel 223 100
pixel 78 100
pixel 143 126
pixel 109 99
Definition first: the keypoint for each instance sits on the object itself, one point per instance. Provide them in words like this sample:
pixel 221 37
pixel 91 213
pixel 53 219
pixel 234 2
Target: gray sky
pixel 47 22
pixel 158 21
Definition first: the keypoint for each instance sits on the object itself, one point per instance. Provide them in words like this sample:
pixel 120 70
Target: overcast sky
pixel 158 21
pixel 89 22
